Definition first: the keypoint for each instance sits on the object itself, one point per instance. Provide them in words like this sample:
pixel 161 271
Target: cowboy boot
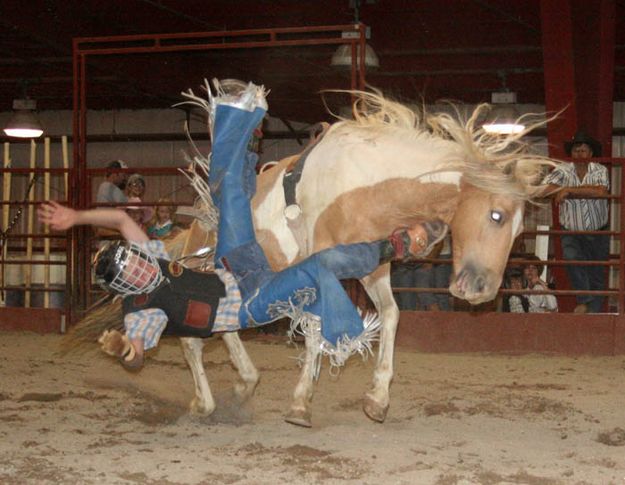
pixel 406 244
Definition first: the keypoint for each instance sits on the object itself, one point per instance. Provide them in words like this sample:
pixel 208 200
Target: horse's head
pixel 483 229
pixel 499 175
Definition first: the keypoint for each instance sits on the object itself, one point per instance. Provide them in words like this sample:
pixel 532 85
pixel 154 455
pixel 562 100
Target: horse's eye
pixel 496 216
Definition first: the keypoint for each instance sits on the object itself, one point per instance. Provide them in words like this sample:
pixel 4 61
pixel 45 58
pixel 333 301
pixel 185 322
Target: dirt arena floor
pixel 454 419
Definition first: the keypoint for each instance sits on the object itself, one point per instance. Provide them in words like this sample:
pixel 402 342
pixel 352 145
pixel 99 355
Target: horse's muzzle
pixel 474 286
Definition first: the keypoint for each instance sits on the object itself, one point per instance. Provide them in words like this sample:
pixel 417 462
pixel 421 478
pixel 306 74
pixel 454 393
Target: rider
pixel 161 296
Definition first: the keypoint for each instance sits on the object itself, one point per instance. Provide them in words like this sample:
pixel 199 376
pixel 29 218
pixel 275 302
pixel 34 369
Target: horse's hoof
pixel 374 411
pixel 200 409
pixel 244 392
pixel 299 418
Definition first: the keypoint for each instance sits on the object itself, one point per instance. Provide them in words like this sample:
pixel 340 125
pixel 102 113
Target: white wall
pixel 136 154
pixel 172 154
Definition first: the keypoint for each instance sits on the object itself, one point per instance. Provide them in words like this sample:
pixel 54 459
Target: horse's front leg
pixel 203 402
pixel 378 286
pixel 243 364
pixel 300 412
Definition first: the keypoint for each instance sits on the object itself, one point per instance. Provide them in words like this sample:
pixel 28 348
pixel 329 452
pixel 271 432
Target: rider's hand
pixel 56 215
pixel 114 343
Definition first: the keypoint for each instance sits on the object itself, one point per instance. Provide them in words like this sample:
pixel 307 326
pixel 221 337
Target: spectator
pixel 423 275
pixel 163 226
pixel 404 275
pixel 135 190
pixel 542 303
pixel 135 187
pixel 515 280
pixel 437 276
pixel 140 214
pixel 110 190
pixel 579 211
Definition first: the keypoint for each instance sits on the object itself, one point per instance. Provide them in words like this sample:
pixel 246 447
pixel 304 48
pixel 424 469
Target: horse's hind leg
pixel 300 412
pixel 378 287
pixel 203 402
pixel 242 362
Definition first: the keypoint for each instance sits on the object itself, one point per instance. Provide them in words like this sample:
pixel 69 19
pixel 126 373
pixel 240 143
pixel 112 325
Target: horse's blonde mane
pixel 501 164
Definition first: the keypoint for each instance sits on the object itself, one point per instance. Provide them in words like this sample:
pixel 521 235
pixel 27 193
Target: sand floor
pixel 454 419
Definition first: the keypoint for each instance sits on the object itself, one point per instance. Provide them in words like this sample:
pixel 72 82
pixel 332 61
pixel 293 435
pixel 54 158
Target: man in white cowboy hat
pixel 578 180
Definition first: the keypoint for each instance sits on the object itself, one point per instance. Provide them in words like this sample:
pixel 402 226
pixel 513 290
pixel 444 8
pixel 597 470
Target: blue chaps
pixel 232 182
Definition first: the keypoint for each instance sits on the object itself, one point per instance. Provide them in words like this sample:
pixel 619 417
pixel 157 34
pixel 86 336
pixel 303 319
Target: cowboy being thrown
pixel 162 297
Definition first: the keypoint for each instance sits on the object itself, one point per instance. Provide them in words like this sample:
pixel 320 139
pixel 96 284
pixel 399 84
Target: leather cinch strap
pixel 294 171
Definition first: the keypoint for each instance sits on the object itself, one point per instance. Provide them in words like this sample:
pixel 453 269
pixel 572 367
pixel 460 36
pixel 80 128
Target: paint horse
pixel 390 167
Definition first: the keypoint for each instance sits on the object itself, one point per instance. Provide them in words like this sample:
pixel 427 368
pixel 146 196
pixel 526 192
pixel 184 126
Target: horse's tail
pixel 82 337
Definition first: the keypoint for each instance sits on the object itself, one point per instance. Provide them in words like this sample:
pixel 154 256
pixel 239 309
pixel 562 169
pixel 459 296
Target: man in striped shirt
pixel 580 182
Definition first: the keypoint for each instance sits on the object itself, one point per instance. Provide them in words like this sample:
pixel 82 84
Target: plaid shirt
pixel 150 323
pixel 581 214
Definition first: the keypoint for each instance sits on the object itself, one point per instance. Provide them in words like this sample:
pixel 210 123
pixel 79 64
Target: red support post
pixel 560 89
pixel 578 56
pixel 559 69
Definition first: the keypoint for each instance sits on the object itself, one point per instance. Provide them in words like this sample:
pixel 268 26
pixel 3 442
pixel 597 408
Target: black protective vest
pixel 189 298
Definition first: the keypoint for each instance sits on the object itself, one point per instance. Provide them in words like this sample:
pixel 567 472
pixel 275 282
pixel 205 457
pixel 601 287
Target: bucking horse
pixel 385 168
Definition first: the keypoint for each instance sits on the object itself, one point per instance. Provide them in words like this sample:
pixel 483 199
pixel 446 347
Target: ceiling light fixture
pixel 24 122
pixel 342 57
pixel 503 118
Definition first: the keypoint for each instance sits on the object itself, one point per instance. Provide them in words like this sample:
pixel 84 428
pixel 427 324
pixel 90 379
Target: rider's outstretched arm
pixel 61 218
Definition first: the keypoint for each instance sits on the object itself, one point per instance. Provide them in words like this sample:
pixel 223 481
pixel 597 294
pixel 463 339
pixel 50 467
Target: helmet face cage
pixel 127 269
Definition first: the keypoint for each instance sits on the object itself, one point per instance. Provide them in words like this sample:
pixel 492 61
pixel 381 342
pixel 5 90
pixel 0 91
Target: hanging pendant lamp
pixel 24 122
